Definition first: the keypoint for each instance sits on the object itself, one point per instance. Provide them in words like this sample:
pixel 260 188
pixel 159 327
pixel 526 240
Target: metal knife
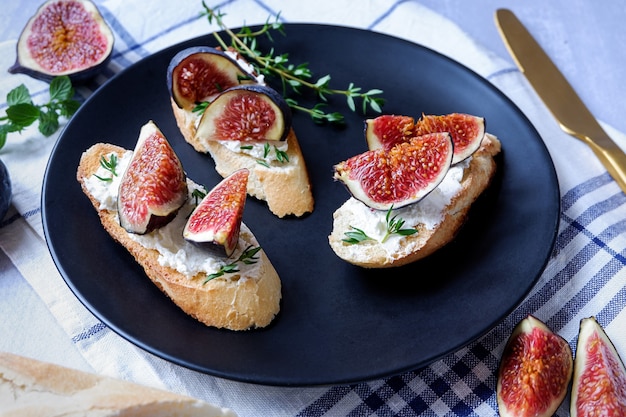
pixel 558 95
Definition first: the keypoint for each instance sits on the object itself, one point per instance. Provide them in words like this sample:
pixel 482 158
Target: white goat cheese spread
pixel 429 211
pixel 174 251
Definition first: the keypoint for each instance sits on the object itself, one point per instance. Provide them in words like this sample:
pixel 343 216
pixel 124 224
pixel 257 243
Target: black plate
pixel 338 323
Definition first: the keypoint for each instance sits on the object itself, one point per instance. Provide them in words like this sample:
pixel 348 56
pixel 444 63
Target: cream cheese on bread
pixel 174 251
pixel 428 212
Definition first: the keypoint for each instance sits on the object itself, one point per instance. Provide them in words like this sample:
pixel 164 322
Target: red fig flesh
pixel 400 176
pixel 599 387
pixel 535 370
pixel 216 221
pixel 154 186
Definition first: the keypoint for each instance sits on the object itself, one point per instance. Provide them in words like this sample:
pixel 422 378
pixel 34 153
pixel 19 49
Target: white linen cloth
pixel 585 276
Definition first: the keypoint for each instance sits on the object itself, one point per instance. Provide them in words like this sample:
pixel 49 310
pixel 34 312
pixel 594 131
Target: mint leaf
pixel 18 95
pixel 69 107
pixel 23 114
pixel 61 89
pixel 48 122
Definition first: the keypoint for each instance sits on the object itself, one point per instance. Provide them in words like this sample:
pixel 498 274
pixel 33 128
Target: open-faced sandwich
pixel 224 109
pixel 413 189
pixel 191 243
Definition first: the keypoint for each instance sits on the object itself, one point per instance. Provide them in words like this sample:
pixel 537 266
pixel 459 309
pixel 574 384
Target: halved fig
pixel 387 130
pixel 198 74
pixel 399 176
pixel 599 387
pixel 154 185
pixel 535 370
pixel 467 131
pixel 246 113
pixel 216 221
pixel 64 37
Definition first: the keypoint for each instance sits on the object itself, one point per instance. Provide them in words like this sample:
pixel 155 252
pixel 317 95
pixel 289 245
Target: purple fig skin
pixel 5 190
pixel 230 67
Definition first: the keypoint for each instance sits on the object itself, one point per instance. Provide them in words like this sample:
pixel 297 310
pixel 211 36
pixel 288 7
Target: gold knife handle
pixel 613 159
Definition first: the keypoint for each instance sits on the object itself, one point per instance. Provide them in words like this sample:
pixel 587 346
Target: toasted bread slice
pixel 284 186
pixel 29 387
pixel 237 301
pixel 442 217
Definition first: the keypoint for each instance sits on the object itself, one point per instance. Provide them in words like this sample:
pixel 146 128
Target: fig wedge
pixel 247 113
pixel 198 74
pixel 154 186
pixel 216 221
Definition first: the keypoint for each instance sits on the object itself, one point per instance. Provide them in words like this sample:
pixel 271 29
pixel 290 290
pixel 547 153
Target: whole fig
pixel 5 190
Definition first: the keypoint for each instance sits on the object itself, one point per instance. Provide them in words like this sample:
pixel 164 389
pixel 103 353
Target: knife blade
pixel 558 95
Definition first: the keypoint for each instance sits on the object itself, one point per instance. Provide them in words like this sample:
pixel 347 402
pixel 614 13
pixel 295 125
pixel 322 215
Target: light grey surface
pixel 586 39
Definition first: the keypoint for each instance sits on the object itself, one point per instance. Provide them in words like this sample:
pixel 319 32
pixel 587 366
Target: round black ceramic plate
pixel 338 323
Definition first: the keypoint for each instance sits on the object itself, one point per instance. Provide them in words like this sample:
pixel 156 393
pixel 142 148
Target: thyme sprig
pixel 394 226
pixel 294 77
pixel 281 156
pixel 109 165
pixel 247 257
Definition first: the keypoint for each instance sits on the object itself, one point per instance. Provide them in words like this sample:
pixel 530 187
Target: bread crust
pixel 29 387
pixel 233 301
pixel 286 187
pixel 372 254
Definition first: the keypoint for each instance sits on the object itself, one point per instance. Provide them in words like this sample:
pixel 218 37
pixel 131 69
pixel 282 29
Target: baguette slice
pixel 373 254
pixel 32 388
pixel 237 301
pixel 285 187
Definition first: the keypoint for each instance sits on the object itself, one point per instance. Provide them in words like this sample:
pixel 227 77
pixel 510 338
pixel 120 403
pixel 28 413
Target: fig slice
pixel 388 130
pixel 467 131
pixel 154 186
pixel 599 387
pixel 535 370
pixel 198 74
pixel 399 176
pixel 64 37
pixel 216 221
pixel 246 113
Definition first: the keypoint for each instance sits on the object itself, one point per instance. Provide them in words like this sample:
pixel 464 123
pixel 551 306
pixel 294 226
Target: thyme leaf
pixel 110 165
pixel 394 226
pixel 293 77
pixel 247 257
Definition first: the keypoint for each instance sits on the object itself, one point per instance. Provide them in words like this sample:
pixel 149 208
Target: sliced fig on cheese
pixel 247 113
pixel 216 221
pixel 467 131
pixel 154 186
pixel 198 74
pixel 400 176
pixel 388 130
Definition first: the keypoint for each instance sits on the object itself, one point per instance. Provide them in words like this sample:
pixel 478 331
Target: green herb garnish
pixel 198 195
pixel 281 156
pixel 394 227
pixel 110 166
pixel 248 257
pixel 22 112
pixel 294 77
